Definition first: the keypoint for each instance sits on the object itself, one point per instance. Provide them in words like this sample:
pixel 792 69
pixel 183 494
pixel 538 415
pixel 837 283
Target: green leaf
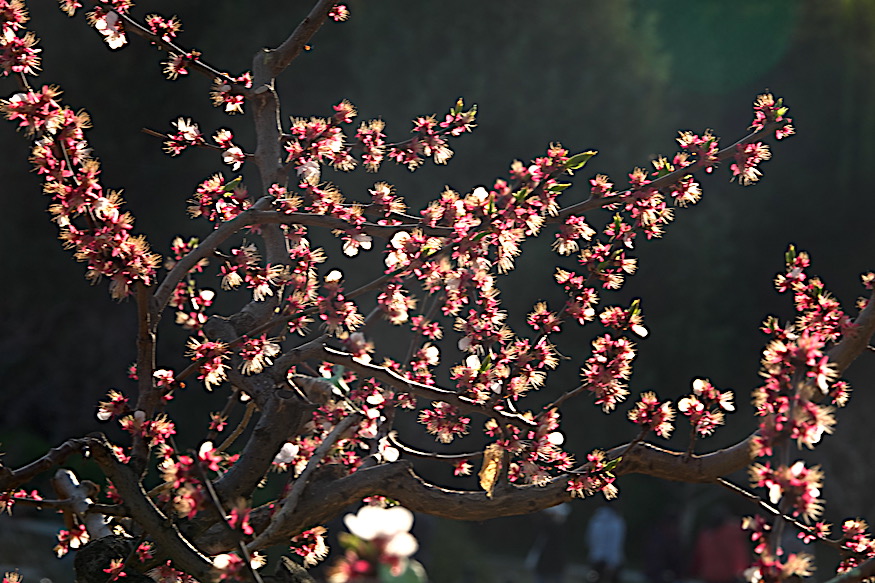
pixel 337 380
pixel 611 465
pixel 457 109
pixel 522 194
pixel 635 307
pixel 486 364
pixel 558 187
pixel 790 255
pixel 578 160
pixel 233 184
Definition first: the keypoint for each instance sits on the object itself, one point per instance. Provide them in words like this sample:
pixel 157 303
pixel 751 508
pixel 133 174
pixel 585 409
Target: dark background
pixel 621 77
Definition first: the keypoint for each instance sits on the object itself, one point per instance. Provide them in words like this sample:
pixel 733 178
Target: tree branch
pixel 283 55
pixel 281 419
pixel 398 482
pixel 855 341
pixel 662 181
pixel 161 529
pixel 400 383
pixel 11 479
pixel 291 502
pixel 859 573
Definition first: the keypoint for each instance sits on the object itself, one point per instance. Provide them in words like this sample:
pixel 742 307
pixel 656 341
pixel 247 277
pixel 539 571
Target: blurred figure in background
pixel 548 557
pixel 664 555
pixel 605 538
pixel 722 551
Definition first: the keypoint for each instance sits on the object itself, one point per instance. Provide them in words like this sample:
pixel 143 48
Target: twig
pixel 247 415
pixel 205 145
pixel 777 513
pixel 393 439
pixel 198 65
pixel 401 383
pixel 573 392
pixel 217 504
pixel 663 181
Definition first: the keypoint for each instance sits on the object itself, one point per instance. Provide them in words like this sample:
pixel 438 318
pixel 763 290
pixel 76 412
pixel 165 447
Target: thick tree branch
pixel 159 526
pixel 859 573
pixel 11 479
pixel 398 482
pixel 283 55
pixel 290 504
pixel 280 420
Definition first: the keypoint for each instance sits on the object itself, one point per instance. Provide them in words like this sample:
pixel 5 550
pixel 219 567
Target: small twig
pixel 691 442
pixel 777 513
pixel 247 416
pixel 573 392
pixel 214 498
pixel 401 383
pixel 664 181
pixel 449 457
pixel 230 403
pixel 198 65
pixel 205 145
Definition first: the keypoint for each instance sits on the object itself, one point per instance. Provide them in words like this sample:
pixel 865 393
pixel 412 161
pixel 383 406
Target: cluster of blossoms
pixel 796 402
pixel 189 301
pixel 768 110
pixel 244 267
pixel 90 218
pixel 705 407
pixel 184 475
pixel 652 415
pixel 608 369
pixel 857 544
pixel 341 394
pixel 444 421
pixel 769 566
pixel 536 454
pixel 596 477
pixel 797 483
pixel 105 18
pixel 797 371
pixel 377 537
pixel 18 54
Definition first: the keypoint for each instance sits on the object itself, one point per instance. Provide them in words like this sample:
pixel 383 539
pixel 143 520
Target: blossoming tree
pixel 301 367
